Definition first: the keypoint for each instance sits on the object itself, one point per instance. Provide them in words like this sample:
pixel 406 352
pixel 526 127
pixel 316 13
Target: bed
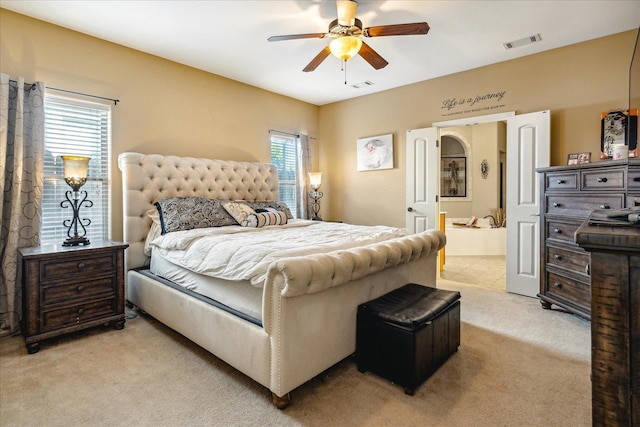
pixel 301 318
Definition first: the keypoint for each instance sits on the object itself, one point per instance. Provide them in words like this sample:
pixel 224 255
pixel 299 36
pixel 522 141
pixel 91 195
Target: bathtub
pixel 475 241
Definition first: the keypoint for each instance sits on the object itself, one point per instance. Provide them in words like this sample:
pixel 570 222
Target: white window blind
pixel 284 154
pixel 74 127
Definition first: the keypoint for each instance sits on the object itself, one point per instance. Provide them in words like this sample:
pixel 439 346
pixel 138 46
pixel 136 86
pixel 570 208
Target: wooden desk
pixel 615 322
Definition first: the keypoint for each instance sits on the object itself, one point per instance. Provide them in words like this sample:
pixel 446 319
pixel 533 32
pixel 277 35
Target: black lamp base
pixel 76 241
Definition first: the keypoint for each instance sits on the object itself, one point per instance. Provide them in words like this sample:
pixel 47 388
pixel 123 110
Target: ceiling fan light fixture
pixel 345 47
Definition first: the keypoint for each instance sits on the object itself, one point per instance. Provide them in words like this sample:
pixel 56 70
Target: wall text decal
pixel 472 104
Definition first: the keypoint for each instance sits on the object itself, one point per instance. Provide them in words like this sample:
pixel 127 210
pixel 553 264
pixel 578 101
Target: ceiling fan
pixel 346 31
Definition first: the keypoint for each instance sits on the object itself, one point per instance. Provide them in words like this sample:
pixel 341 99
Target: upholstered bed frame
pixel 309 303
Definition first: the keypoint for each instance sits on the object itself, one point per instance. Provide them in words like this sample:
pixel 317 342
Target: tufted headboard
pixel 152 177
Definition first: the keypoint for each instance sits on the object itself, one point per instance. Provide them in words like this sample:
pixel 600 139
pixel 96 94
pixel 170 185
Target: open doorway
pixel 472 190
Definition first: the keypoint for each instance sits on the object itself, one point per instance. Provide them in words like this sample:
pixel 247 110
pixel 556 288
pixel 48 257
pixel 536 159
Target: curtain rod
pixel 32 86
pixel 284 133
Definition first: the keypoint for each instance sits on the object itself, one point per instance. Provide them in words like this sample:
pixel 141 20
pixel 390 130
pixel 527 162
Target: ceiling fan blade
pixel 317 60
pixel 297 36
pixel 372 57
pixel 415 28
pixel 346 12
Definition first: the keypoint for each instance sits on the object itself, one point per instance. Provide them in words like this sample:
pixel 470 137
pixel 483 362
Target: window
pixel 284 154
pixel 74 127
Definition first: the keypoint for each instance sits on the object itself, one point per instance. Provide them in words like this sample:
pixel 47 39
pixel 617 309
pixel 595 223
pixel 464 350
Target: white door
pixel 423 158
pixel 528 141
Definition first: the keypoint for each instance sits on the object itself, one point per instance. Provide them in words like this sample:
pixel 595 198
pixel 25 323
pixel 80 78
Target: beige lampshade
pixel 75 166
pixel 75 170
pixel 315 179
pixel 345 47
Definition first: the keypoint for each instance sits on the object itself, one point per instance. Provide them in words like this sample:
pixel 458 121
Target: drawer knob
pixel 557 205
pixel 81 265
pixel 80 310
pixel 636 179
pixel 557 231
pixel 80 288
pixel 602 179
pixel 587 270
pixel 605 207
pixel 557 285
pixel 560 181
pixel 558 257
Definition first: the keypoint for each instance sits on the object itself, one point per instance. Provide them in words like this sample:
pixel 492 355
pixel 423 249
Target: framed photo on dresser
pixel 578 158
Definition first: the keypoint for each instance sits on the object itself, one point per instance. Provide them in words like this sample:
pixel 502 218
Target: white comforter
pixel 242 253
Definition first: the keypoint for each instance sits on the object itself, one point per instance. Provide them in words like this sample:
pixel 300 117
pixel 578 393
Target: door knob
pixel 409 209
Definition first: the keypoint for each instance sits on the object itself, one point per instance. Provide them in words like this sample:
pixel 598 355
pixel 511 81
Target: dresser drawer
pixel 561 181
pixel 575 260
pixel 562 231
pixel 74 291
pixel 581 205
pixel 71 268
pixel 76 314
pixel 633 200
pixel 633 178
pixel 570 290
pixel 603 180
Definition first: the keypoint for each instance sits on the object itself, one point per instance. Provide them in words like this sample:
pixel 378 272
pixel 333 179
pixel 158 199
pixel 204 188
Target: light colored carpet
pixel 518 365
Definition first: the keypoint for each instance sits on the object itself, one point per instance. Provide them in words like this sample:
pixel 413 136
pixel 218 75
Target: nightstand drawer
pixel 74 291
pixel 76 314
pixel 571 290
pixel 71 268
pixel 603 180
pixel 574 260
pixel 561 181
pixel 581 206
pixel 563 231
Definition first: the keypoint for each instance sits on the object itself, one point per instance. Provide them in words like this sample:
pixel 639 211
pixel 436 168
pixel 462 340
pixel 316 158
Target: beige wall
pixel 576 83
pixel 173 109
pixel 165 107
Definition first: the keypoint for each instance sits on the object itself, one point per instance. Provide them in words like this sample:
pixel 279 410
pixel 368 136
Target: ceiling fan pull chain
pixel 344 68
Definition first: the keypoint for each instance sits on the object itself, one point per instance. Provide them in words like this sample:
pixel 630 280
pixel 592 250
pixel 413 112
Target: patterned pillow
pixel 265 217
pixel 186 213
pixel 266 204
pixel 281 206
pixel 240 211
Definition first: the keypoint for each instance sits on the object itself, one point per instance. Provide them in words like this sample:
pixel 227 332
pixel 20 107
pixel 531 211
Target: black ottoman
pixel 405 335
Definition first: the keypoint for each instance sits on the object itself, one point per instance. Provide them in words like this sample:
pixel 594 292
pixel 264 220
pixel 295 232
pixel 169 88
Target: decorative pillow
pixel 281 206
pixel 266 204
pixel 240 211
pixel 260 204
pixel 154 232
pixel 268 216
pixel 186 213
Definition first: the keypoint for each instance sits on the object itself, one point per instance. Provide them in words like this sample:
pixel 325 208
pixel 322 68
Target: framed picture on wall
pixel 375 152
pixel 453 176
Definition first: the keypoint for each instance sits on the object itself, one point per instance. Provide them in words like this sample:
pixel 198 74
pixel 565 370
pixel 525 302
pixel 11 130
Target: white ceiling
pixel 229 38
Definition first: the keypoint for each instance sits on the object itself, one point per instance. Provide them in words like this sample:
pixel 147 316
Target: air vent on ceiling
pixel 521 42
pixel 361 85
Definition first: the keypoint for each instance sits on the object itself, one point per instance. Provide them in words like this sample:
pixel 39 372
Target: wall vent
pixel 361 85
pixel 522 42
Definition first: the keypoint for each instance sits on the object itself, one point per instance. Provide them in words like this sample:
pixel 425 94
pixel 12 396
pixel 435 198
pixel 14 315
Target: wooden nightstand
pixel 66 289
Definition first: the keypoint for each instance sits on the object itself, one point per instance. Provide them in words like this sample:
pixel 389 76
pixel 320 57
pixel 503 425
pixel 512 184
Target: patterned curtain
pixel 304 165
pixel 21 179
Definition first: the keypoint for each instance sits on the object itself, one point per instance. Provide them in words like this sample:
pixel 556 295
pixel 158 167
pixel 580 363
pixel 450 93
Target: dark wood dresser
pixel 568 196
pixel 615 323
pixel 66 289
